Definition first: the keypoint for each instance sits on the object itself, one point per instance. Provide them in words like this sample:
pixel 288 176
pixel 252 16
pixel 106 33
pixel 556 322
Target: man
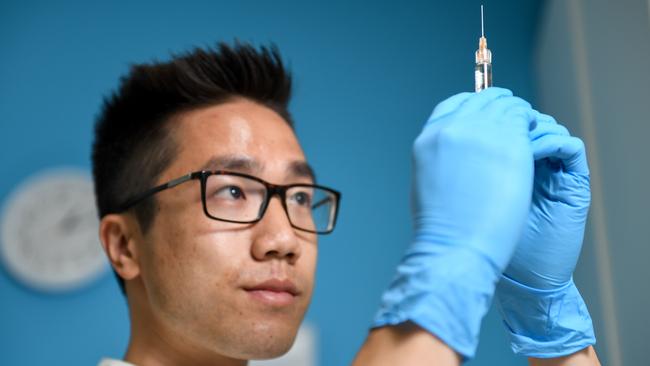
pixel 210 216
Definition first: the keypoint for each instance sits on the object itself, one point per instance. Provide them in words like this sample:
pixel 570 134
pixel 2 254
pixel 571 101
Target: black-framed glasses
pixel 242 198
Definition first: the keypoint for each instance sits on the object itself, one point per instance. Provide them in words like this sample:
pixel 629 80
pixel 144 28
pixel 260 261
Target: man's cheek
pixel 308 274
pixel 214 268
pixel 182 269
pixel 311 259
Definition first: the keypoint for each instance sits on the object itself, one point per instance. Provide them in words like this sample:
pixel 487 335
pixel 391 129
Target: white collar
pixel 113 362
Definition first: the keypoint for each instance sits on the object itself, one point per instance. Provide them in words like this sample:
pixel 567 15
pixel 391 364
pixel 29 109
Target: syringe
pixel 483 68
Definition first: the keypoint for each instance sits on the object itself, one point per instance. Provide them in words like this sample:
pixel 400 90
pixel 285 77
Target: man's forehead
pixel 239 120
pixel 239 136
pixel 247 164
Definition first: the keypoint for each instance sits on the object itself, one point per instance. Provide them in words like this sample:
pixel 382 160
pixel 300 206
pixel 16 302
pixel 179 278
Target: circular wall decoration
pixel 49 231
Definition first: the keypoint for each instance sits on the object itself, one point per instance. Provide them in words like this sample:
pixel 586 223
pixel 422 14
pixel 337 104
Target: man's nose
pixel 274 235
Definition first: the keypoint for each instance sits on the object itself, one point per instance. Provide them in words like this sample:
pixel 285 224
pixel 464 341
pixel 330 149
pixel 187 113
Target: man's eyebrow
pixel 232 162
pixel 301 169
pixel 297 168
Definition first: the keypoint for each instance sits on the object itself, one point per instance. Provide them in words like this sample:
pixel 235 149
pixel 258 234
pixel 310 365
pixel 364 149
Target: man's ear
pixel 118 235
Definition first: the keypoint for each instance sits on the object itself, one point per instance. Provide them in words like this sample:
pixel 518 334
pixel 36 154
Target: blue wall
pixel 367 77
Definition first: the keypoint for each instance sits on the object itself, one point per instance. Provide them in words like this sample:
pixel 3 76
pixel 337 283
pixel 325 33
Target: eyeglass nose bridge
pixel 275 190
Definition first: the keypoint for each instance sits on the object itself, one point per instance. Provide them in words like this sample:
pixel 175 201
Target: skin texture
pixel 404 344
pixel 586 357
pixel 186 278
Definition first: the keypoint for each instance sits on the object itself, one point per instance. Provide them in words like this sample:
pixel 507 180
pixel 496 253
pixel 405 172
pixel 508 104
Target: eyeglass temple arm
pixel 172 183
pixel 177 181
pixel 321 202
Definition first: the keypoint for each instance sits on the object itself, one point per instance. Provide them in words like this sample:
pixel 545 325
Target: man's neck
pixel 151 348
pixel 152 344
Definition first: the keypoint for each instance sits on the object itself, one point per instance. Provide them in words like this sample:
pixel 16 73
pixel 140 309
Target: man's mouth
pixel 274 292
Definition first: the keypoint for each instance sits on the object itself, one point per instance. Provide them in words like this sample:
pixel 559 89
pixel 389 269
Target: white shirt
pixel 113 362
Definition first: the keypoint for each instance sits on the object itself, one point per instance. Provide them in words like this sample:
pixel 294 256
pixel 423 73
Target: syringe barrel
pixel 482 76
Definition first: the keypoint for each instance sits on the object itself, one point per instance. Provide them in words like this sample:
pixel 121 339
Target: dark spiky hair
pixel 133 144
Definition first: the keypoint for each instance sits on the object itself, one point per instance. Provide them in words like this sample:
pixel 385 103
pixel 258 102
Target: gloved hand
pixel 542 309
pixel 472 184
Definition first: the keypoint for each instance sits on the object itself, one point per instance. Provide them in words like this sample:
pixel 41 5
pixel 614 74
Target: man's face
pixel 206 281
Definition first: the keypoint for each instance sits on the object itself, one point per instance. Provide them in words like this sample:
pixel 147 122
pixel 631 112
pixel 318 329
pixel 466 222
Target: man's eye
pixel 301 198
pixel 230 192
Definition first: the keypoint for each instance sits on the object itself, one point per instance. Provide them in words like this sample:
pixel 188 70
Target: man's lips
pixel 274 292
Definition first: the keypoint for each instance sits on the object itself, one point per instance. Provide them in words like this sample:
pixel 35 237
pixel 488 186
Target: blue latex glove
pixel 542 308
pixel 472 183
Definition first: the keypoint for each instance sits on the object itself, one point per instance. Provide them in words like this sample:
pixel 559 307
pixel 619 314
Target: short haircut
pixel 133 144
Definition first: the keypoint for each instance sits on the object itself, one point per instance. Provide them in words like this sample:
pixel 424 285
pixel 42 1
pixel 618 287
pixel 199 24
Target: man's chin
pixel 271 346
pixel 266 339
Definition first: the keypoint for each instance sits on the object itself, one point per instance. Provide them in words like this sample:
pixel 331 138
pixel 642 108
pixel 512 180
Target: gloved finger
pixel 500 105
pixel 510 109
pixel 545 128
pixel 545 118
pixel 450 104
pixel 570 150
pixel 478 101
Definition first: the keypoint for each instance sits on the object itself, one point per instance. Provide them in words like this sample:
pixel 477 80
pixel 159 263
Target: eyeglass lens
pixel 235 198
